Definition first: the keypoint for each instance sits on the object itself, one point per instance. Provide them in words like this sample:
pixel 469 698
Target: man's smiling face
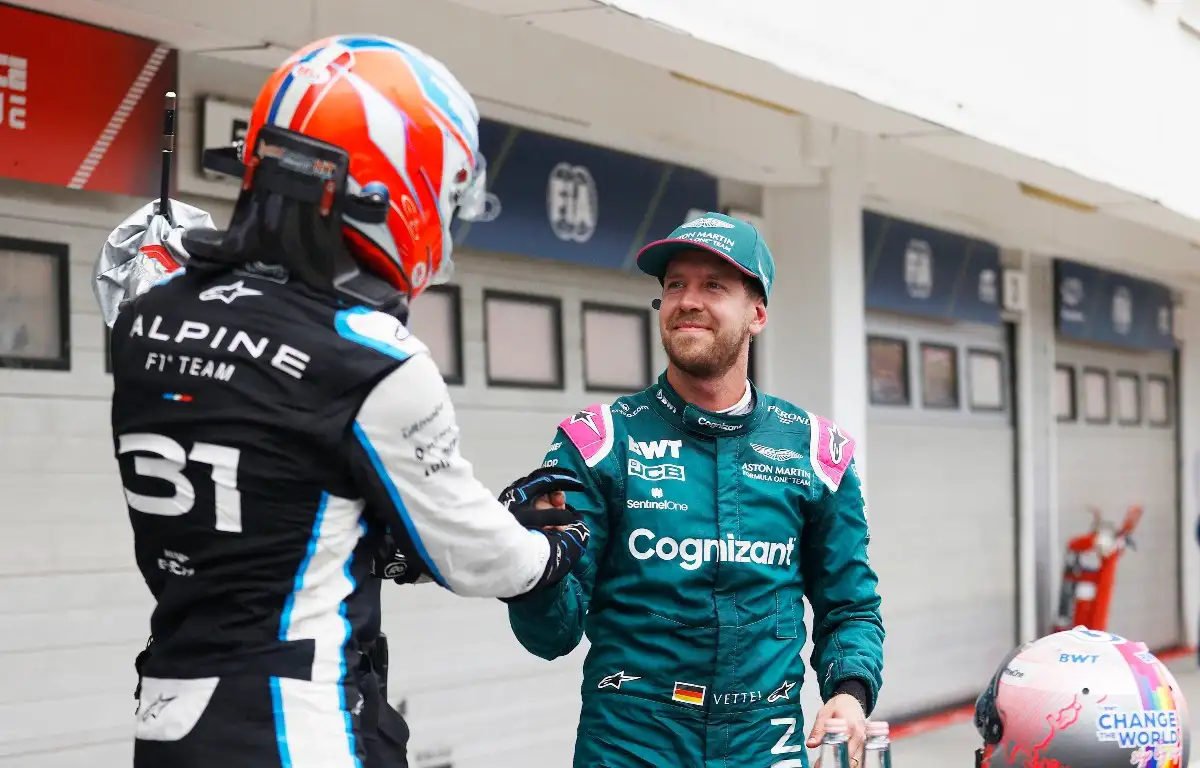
pixel 708 313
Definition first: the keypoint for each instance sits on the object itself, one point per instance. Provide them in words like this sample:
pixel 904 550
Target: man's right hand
pixel 400 564
pixel 537 500
pixel 568 544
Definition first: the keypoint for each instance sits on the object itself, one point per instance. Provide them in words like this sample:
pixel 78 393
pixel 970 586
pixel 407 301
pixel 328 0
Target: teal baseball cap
pixel 734 240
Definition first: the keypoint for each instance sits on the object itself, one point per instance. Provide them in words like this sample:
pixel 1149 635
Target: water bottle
pixel 877 752
pixel 835 746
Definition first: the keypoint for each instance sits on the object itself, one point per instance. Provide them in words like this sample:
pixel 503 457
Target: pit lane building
pixel 988 264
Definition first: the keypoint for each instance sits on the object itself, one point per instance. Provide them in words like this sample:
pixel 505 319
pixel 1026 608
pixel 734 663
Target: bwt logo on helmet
pixel 692 553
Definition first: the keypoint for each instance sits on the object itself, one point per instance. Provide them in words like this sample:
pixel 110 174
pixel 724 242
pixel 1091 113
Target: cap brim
pixel 653 258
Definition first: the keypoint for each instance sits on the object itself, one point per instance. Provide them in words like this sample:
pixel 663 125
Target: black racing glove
pixel 397 560
pixel 567 547
pixel 519 497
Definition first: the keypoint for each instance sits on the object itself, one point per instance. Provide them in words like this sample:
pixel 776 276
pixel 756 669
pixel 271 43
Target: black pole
pixel 168 148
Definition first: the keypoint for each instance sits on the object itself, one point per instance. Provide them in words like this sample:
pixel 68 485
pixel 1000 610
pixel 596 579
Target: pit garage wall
pixel 942 490
pixel 73 610
pixel 1111 466
pixel 1117 436
pixel 1187 326
pixel 1033 232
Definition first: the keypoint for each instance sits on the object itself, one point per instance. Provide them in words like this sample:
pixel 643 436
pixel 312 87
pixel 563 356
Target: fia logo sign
pixel 572 203
pixel 918 269
pixel 1122 310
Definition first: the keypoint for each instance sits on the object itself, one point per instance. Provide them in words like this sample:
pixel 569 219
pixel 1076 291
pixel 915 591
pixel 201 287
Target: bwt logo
pixel 572 203
pixel 656 449
pixel 14 80
pixel 1077 658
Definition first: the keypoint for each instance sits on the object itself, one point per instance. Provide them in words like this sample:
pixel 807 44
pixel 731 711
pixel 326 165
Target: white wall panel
pixel 1112 467
pixel 73 610
pixel 943 519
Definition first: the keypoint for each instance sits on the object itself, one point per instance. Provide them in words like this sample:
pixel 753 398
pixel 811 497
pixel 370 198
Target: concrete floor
pixel 954 745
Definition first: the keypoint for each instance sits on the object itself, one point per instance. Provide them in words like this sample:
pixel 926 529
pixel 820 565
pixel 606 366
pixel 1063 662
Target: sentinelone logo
pixel 648 504
pixel 692 553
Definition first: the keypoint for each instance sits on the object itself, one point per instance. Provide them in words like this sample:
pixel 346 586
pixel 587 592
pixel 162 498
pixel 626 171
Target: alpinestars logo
pixel 615 680
pixel 586 417
pixel 228 293
pixel 782 692
pixel 837 441
pixel 778 454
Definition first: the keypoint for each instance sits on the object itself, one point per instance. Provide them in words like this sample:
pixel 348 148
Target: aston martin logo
pixel 778 454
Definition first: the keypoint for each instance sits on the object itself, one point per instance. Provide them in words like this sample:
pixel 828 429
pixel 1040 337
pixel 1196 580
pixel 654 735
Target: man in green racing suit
pixel 714 509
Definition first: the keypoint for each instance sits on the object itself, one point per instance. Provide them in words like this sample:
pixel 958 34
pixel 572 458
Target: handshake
pixel 537 501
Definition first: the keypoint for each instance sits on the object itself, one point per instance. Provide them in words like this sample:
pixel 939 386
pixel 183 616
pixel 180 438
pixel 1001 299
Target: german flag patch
pixel 689 694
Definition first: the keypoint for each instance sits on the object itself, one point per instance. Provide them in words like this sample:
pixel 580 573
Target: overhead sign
pixel 1110 308
pixel 567 201
pixel 914 269
pixel 80 106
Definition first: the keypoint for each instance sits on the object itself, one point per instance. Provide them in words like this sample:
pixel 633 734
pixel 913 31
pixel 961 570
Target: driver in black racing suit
pixel 273 420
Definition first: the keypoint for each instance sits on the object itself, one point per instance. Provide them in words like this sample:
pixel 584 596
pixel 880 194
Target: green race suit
pixel 707 531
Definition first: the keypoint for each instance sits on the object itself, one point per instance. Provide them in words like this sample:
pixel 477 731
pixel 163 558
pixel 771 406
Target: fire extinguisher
pixel 1090 569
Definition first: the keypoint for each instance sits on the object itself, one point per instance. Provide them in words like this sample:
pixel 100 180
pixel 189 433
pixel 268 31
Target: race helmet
pixel 411 132
pixel 1082 699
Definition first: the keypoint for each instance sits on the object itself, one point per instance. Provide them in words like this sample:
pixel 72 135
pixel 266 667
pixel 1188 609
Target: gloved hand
pixel 397 562
pixel 567 547
pixel 521 496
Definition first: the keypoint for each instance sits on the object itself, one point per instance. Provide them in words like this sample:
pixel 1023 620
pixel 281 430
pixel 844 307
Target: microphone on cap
pixel 657 303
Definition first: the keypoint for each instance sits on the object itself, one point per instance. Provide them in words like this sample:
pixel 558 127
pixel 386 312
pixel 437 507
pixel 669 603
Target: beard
pixel 705 357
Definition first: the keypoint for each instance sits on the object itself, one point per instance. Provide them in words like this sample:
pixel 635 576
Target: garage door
pixel 1116 435
pixel 527 343
pixel 1116 449
pixel 941 470
pixel 942 507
